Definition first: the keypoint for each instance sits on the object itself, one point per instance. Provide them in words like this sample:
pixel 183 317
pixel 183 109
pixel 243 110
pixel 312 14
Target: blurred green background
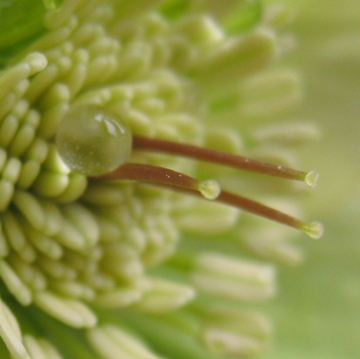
pixel 318 308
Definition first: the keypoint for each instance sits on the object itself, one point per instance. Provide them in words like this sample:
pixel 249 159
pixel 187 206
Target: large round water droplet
pixel 93 140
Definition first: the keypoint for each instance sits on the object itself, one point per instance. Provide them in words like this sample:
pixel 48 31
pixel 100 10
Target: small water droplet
pixel 209 189
pixel 314 229
pixel 312 178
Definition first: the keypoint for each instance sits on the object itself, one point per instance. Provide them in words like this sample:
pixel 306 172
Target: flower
pixel 101 268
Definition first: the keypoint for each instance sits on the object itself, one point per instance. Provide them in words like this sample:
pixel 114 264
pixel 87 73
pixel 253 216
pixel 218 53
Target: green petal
pixel 21 22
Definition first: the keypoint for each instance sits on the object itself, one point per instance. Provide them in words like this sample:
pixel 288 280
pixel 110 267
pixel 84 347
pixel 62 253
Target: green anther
pixel 244 16
pixel 175 8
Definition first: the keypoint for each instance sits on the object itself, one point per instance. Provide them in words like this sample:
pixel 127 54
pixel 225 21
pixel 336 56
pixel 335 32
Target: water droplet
pixel 314 229
pixel 312 178
pixel 93 140
pixel 209 189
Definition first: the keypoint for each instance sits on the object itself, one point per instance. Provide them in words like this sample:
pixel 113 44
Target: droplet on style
pixel 93 140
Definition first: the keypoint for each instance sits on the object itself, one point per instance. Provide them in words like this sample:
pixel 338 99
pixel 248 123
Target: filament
pixel 223 158
pixel 207 189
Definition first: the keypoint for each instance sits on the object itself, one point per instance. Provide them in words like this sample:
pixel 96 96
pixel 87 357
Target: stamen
pixel 209 190
pixel 96 142
pixel 313 229
pixel 224 159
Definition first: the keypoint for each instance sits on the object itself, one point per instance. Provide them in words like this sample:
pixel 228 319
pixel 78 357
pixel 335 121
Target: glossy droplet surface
pixel 209 189
pixel 312 178
pixel 93 140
